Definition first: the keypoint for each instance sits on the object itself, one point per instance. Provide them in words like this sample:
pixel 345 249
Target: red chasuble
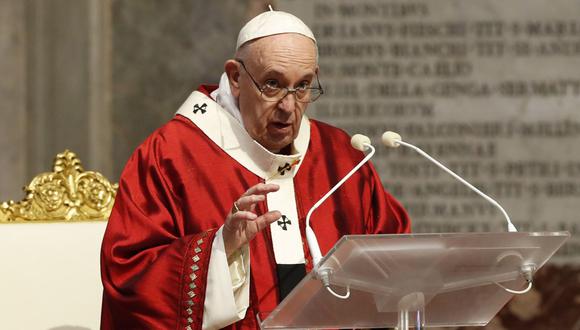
pixel 174 194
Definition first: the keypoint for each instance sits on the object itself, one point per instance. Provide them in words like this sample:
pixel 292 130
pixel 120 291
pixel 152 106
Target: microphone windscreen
pixel 358 142
pixel 390 139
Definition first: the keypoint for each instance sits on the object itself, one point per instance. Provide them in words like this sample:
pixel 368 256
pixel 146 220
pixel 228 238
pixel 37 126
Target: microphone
pixel 393 140
pixel 359 142
pixel 390 139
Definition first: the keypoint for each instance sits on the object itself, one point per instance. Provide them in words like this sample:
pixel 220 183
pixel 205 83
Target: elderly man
pixel 208 227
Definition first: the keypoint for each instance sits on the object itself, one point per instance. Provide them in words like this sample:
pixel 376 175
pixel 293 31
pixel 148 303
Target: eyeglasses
pixel 271 92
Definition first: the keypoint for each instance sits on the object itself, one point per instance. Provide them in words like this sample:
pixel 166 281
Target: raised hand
pixel 242 224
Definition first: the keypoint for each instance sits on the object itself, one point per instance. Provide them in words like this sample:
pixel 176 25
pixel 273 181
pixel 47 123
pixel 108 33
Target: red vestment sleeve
pixel 386 214
pixel 153 271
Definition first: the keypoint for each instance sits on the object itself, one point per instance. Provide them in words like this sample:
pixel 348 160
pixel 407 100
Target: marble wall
pixel 160 55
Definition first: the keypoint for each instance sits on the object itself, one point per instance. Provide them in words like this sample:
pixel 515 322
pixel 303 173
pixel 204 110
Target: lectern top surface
pixel 455 274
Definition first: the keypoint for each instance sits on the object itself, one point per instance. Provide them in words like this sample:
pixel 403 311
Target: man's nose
pixel 288 102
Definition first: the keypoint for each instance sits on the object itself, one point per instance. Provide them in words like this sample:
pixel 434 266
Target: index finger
pixel 262 189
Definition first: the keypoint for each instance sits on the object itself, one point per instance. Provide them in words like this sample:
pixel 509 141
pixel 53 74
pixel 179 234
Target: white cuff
pixel 227 293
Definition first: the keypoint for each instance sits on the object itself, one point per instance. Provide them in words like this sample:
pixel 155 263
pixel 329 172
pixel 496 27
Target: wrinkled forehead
pixel 285 47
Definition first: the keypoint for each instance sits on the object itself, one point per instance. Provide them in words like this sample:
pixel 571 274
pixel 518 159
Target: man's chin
pixel 275 146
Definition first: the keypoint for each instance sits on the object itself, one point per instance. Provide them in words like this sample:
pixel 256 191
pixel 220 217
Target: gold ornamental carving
pixel 67 194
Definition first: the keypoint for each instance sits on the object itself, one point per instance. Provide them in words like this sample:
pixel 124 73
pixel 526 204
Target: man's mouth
pixel 280 128
pixel 280 125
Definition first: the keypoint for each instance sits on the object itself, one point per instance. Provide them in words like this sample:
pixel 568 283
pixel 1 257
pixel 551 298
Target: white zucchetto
pixel 272 22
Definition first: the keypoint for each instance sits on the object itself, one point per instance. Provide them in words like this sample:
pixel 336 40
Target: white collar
pixel 223 96
pixel 222 127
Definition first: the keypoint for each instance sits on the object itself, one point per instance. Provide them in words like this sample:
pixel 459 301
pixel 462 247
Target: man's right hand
pixel 242 226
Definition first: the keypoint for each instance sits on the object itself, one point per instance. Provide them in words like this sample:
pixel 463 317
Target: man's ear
pixel 232 69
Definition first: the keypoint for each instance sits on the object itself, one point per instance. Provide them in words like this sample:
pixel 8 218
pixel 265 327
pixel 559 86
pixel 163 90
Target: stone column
pixel 69 82
pixel 13 126
pixel 100 82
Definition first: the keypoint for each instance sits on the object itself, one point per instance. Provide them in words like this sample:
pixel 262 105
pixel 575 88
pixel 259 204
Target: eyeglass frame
pixel 288 89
